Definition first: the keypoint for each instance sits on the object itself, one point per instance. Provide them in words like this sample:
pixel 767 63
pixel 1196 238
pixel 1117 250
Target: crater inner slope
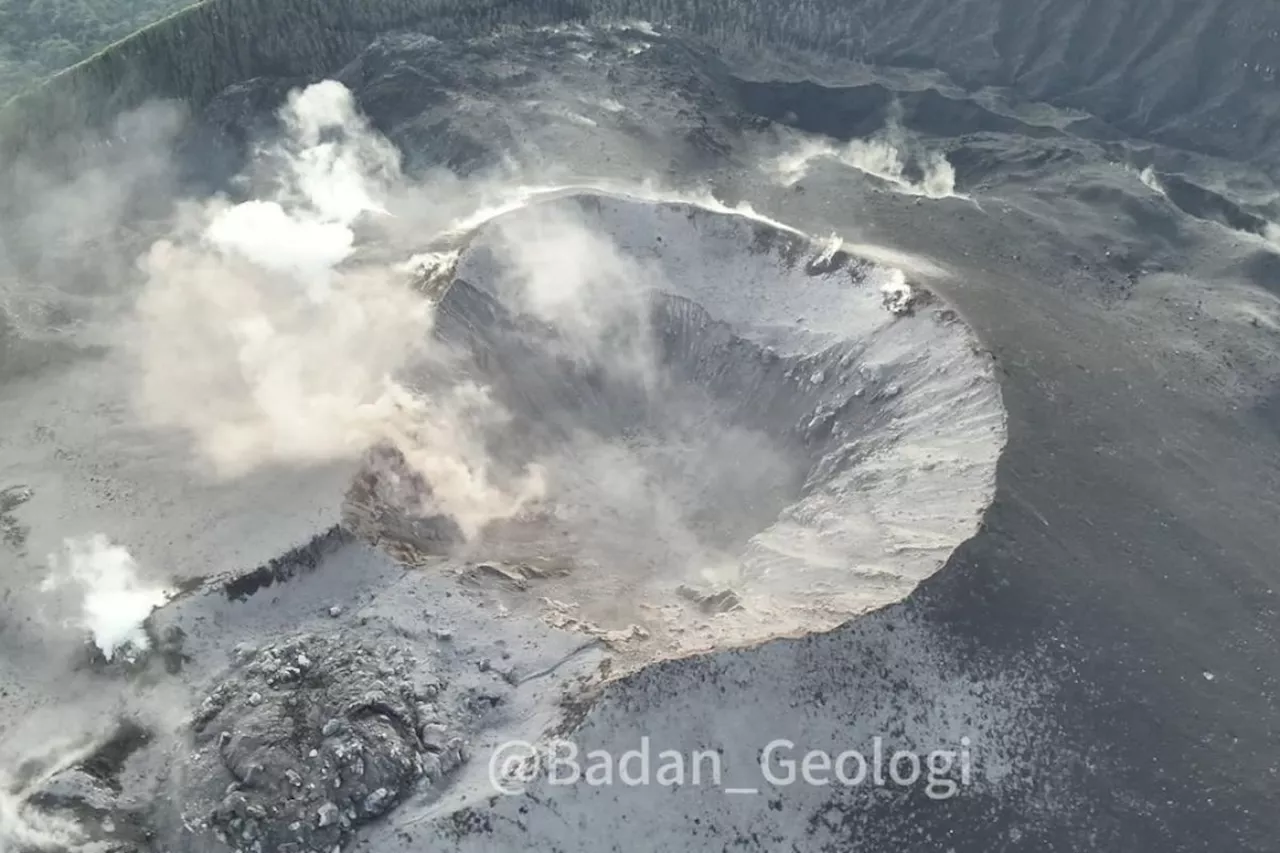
pixel 743 433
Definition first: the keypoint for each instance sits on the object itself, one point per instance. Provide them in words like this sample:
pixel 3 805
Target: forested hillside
pixel 38 37
pixel 1214 93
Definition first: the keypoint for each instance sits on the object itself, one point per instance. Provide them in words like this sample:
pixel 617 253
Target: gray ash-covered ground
pixel 1107 636
pixel 301 742
pixel 355 688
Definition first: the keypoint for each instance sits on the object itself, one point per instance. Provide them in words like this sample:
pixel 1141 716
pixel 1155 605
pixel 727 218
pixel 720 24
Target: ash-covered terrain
pixel 426 382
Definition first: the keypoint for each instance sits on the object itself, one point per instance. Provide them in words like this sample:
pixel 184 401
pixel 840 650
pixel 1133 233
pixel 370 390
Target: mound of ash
pixel 387 505
pixel 314 736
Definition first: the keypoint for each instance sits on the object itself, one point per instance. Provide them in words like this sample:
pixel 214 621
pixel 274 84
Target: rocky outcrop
pixel 315 736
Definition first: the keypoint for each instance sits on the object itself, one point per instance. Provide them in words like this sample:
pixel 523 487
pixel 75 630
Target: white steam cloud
pixel 261 340
pixel 576 280
pixel 114 602
pixel 24 828
pixel 890 155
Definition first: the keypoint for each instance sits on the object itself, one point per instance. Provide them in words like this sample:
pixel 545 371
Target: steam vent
pixel 740 433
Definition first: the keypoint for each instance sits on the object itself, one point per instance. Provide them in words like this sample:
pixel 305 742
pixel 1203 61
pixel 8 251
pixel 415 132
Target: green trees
pixel 39 37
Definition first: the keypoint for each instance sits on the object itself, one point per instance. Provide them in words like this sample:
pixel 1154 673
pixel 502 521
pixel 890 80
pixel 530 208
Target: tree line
pixel 39 37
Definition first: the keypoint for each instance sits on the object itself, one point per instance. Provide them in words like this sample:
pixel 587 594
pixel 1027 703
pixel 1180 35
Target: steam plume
pixel 262 343
pixel 115 602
